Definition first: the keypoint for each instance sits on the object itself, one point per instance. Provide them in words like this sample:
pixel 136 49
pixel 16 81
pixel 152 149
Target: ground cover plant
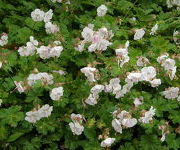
pixel 89 75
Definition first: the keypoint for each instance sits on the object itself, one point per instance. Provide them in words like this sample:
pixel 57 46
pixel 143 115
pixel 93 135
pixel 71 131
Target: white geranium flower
pixel 155 82
pixel 148 73
pixel 154 29
pixel 113 86
pixel 37 15
pixel 101 10
pixel 76 128
pixel 46 52
pixel 122 55
pixel 51 28
pixel 171 3
pixel 87 34
pixel 3 39
pixel 148 115
pixel 89 72
pixel 56 93
pixel 116 124
pixel 107 142
pixel 139 34
pixel 138 101
pixel 134 77
pixel 142 61
pixel 30 47
pixel 48 16
pixel 19 86
pixel 171 93
pixel 92 99
pixel 43 112
pixel 168 64
pixel 129 122
pixel 43 76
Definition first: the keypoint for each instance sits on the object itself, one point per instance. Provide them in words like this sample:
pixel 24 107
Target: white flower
pixel 154 29
pixel 142 61
pixel 122 54
pixel 155 82
pixel 148 73
pixel 30 47
pixel 87 34
pixel 113 86
pixel 175 38
pixel 43 112
pixel 3 39
pixel 139 34
pixel 56 93
pixel 138 101
pixel 51 28
pixel 98 43
pixel 107 142
pixel 94 95
pixel 48 16
pixel 168 64
pixel 37 15
pixel 101 10
pixel 178 98
pixel 134 77
pixel 116 124
pixel 89 73
pixel 129 122
pixel 126 88
pixel 148 115
pixel 76 117
pixel 98 39
pixel 46 52
pixel 60 72
pixel 171 93
pixel 57 43
pixel 76 128
pixel 44 77
pixel 97 89
pixel 19 86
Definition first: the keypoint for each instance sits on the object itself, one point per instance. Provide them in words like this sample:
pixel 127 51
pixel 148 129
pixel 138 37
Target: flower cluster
pixel 122 54
pixel 3 39
pixel 46 52
pixel 98 39
pixel 101 10
pixel 171 93
pixel 76 124
pixel 94 95
pixel 122 119
pixel 89 72
pixel 43 76
pixel 168 64
pixel 30 47
pixel 35 115
pixel 56 93
pixel 39 15
pixel 147 116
